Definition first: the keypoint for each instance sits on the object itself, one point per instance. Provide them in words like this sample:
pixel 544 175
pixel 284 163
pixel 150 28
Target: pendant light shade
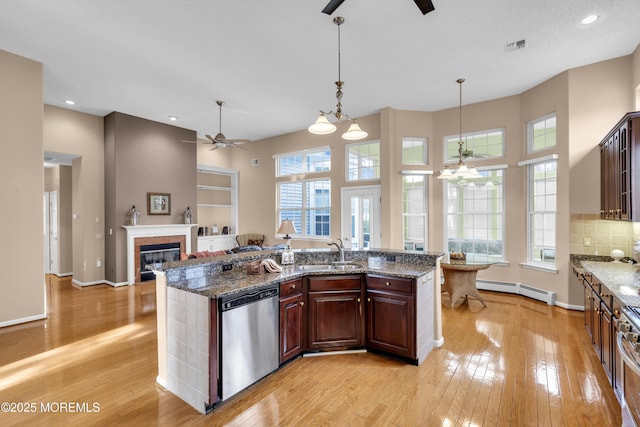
pixel 354 133
pixel 322 126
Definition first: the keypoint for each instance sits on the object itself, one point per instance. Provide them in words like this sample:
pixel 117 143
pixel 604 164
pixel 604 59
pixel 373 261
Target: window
pixel 308 204
pixel 308 161
pixel 363 161
pixel 414 151
pixel 485 145
pixel 414 212
pixel 475 215
pixel 542 192
pixel 541 133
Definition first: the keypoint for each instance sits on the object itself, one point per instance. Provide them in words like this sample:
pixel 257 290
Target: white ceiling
pixel 274 62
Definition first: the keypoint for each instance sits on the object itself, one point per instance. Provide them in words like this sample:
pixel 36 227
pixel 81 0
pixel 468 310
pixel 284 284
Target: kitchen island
pixel 384 300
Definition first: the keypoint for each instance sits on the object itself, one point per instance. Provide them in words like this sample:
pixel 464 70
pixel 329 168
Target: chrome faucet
pixel 340 248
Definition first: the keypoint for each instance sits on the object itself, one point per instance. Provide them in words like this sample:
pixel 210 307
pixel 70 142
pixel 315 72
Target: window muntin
pixel 542 194
pixel 363 161
pixel 414 212
pixel 541 133
pixel 484 144
pixel 475 215
pixel 414 151
pixel 308 204
pixel 308 161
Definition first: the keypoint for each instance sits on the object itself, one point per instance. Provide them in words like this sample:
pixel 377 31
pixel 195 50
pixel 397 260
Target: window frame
pixel 304 209
pixel 530 133
pixel 347 168
pixel 425 150
pixel 454 139
pixel 424 215
pixel 500 213
pixel 531 211
pixel 304 154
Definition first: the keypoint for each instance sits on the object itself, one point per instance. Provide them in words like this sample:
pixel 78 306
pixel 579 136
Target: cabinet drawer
pixel 617 307
pixel 394 284
pixel 334 283
pixel 291 287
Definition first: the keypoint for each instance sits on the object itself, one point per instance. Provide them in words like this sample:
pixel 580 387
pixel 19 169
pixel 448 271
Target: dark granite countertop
pixel 622 279
pixel 206 279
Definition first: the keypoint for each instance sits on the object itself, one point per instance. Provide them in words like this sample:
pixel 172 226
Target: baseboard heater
pixel 518 289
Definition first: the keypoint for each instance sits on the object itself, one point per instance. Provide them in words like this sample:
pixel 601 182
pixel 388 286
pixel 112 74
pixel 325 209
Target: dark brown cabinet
pixel 619 164
pixel 291 319
pixel 335 312
pixel 391 315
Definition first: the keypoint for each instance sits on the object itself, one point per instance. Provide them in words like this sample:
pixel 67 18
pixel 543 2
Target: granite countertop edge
pixel 622 279
pixel 227 283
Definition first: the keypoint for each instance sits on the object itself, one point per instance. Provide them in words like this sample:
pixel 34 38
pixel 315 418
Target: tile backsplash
pixel 591 235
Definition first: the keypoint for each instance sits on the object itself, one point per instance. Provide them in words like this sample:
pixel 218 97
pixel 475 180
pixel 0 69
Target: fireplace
pixel 139 236
pixel 153 256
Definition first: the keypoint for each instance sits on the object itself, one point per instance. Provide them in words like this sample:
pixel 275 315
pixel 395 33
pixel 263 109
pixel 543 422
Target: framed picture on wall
pixel 158 204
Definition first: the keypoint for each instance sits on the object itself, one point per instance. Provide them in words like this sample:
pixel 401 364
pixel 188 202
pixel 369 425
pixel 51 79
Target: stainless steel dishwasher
pixel 249 338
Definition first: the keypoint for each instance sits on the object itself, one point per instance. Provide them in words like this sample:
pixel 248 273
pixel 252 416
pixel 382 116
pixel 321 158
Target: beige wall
pixel 22 177
pixel 143 156
pixel 71 132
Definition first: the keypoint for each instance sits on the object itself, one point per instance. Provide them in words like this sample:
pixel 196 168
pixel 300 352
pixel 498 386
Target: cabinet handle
pixel 293 286
pixel 358 299
pixel 368 299
pixel 387 283
pixel 616 312
pixel 301 303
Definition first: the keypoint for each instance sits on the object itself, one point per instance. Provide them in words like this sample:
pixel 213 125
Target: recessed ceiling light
pixel 69 102
pixel 590 19
pixel 173 118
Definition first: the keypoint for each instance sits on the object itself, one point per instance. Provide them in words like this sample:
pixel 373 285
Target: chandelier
pixel 323 126
pixel 461 169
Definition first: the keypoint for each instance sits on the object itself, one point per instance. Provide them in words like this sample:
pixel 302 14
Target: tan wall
pixel 635 84
pixel 22 178
pixel 143 156
pixel 71 132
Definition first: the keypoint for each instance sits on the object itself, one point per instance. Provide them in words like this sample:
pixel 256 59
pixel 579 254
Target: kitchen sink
pixel 320 267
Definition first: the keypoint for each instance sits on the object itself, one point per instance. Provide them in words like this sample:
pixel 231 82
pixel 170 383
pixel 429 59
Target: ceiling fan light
pixel 322 126
pixel 354 132
pixel 446 174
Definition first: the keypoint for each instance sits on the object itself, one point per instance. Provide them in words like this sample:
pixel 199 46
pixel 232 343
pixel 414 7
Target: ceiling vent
pixel 510 47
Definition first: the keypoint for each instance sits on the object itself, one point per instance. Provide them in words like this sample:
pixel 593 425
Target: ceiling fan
pixel 425 6
pixel 221 141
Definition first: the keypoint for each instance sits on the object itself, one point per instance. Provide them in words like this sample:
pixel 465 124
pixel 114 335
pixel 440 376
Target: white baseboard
pixel 64 274
pixel 115 284
pixel 438 343
pixel 519 289
pixel 570 306
pixel 83 284
pixel 161 382
pixel 23 320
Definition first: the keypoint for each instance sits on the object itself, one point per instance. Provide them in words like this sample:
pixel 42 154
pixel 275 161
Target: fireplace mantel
pixel 159 230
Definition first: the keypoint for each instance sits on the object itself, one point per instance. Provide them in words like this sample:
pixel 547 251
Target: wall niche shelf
pixel 217 203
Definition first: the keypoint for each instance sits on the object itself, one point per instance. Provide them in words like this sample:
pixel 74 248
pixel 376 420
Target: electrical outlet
pixel 99 263
pixel 391 258
pixel 227 267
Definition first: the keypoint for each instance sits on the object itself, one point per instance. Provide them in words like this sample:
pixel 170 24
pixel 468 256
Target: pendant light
pixel 322 125
pixel 461 169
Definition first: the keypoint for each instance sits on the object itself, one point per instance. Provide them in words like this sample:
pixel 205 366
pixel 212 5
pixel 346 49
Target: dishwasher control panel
pixel 238 300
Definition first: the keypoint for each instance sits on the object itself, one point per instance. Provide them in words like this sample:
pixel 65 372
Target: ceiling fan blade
pixel 210 138
pixel 236 141
pixel 332 6
pixel 425 6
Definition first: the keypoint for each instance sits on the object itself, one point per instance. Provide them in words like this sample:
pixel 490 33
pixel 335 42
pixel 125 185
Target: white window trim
pixel 530 125
pixel 530 263
pixel 301 152
pixel 346 162
pixel 457 137
pixel 299 235
pixel 425 151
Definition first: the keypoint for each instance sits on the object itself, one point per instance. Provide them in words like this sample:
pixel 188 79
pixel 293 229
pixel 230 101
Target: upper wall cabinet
pixel 620 170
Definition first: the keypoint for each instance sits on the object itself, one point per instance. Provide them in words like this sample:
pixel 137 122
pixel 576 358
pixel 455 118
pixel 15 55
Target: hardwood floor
pixel 515 362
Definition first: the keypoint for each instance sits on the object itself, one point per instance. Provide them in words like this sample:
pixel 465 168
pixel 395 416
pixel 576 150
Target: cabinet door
pixel 391 323
pixel 291 326
pixel 588 309
pixel 335 319
pixel 596 337
pixel 624 174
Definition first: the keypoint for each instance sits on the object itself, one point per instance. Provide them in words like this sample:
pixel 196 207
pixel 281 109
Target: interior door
pixel 51 232
pixel 361 217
